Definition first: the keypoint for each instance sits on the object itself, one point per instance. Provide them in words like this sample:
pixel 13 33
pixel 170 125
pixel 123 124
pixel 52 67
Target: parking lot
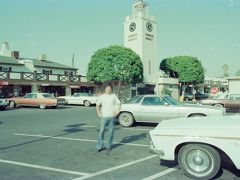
pixel 60 144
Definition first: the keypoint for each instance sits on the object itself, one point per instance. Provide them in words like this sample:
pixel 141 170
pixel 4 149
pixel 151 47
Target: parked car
pixel 229 101
pixel 199 144
pixel 188 97
pixel 200 96
pixel 41 100
pixel 153 108
pixel 85 99
pixel 3 104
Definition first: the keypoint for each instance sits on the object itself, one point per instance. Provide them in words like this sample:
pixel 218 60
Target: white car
pixel 154 108
pixel 3 104
pixel 199 144
pixel 85 99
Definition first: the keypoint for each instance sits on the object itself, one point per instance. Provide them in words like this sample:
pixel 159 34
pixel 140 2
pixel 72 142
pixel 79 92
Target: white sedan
pixel 85 99
pixel 199 144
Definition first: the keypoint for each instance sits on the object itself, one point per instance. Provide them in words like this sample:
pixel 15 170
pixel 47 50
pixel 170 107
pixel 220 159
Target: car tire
pixel 126 119
pixel 42 106
pixel 186 99
pixel 218 105
pixel 87 103
pixel 12 104
pixel 2 108
pixel 199 161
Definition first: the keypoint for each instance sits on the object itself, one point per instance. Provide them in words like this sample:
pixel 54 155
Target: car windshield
pixel 134 100
pixel 171 100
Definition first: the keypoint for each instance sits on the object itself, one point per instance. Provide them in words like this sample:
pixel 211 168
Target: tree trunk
pixel 119 87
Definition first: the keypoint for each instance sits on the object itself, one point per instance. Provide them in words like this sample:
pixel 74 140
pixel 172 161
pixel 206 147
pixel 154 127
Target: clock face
pixel 149 26
pixel 132 26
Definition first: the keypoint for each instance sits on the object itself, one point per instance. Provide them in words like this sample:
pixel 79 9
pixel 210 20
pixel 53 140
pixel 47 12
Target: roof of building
pixel 234 78
pixel 9 60
pixel 49 64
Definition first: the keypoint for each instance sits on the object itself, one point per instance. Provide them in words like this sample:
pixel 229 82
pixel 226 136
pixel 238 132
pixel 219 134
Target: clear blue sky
pixel 207 29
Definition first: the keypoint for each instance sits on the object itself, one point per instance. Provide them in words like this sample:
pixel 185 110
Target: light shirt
pixel 109 104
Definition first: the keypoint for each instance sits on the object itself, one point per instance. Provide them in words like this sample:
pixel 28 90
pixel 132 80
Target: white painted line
pixel 132 129
pixel 76 139
pixel 137 129
pixel 163 173
pixel 44 168
pixel 115 168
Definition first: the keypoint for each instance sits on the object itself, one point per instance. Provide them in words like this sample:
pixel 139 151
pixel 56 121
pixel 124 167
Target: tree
pixel 187 69
pixel 115 64
pixel 225 68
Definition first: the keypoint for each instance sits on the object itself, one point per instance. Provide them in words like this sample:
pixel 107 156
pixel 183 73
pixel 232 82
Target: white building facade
pixel 140 35
pixel 19 76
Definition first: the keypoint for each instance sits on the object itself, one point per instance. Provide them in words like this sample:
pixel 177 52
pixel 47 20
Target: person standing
pixel 108 107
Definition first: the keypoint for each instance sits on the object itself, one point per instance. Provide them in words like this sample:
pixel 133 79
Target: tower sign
pixel 140 32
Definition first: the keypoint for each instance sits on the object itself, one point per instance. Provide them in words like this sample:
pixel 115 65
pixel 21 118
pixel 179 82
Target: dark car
pixel 229 101
pixel 200 96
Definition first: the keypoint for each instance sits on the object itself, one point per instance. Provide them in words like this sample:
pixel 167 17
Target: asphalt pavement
pixel 60 144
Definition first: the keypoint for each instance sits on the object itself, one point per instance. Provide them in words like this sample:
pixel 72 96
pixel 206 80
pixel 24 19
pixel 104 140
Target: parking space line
pixel 137 129
pixel 132 129
pixel 115 168
pixel 76 139
pixel 43 167
pixel 163 173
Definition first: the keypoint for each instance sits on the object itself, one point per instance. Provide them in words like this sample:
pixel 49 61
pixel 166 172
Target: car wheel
pixel 126 119
pixel 2 108
pixel 199 161
pixel 186 99
pixel 218 105
pixel 54 107
pixel 42 106
pixel 87 103
pixel 12 104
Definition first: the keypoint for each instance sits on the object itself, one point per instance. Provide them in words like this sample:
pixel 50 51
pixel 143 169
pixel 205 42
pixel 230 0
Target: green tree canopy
pixel 115 63
pixel 187 69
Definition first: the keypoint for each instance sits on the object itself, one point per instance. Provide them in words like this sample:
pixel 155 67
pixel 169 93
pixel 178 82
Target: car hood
pixel 201 122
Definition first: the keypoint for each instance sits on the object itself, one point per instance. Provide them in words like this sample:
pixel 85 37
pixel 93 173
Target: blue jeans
pixel 110 122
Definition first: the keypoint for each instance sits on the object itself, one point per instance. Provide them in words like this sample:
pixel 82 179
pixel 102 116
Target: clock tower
pixel 140 30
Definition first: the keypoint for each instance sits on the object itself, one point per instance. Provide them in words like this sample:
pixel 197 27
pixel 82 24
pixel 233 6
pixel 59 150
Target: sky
pixel 207 29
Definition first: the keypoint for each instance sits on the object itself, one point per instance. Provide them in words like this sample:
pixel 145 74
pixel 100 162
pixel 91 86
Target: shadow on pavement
pixel 169 164
pixel 146 124
pixel 130 139
pixel 228 167
pixel 74 128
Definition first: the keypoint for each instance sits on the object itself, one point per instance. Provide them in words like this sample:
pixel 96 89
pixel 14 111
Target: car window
pixel 148 101
pixel 47 95
pixel 76 95
pixel 134 100
pixel 31 96
pixel 171 100
pixel 235 96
